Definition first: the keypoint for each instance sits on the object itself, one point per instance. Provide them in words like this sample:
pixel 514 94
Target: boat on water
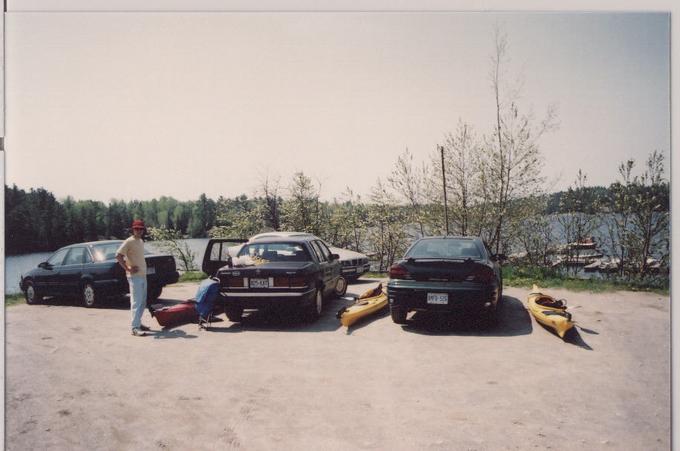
pixel 549 311
pixel 368 303
pixel 588 243
pixel 594 266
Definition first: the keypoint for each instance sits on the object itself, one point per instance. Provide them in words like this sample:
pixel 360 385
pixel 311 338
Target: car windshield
pixel 105 251
pixel 444 248
pixel 274 252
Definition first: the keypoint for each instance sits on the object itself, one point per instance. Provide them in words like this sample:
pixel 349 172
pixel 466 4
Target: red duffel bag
pixel 176 315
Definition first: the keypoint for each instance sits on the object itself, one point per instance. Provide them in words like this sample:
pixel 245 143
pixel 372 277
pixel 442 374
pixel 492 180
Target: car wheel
pixel 153 293
pixel 234 314
pixel 398 315
pixel 490 317
pixel 32 295
pixel 314 310
pixel 340 287
pixel 89 295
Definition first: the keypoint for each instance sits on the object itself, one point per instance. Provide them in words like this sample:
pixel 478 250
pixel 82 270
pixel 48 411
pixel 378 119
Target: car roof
pixel 284 239
pixel 451 237
pixel 274 234
pixel 91 243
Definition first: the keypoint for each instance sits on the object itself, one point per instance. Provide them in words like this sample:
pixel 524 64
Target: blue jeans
pixel 137 298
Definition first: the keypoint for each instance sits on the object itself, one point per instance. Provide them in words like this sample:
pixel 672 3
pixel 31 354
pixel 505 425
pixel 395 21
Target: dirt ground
pixel 77 379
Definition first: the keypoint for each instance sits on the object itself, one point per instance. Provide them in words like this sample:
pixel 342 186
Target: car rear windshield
pixel 275 252
pixel 103 252
pixel 445 248
pixel 107 251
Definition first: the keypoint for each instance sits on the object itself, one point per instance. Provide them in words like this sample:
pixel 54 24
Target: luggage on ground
pixel 176 315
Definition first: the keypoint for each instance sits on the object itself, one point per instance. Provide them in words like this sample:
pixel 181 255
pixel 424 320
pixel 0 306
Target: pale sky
pixel 141 105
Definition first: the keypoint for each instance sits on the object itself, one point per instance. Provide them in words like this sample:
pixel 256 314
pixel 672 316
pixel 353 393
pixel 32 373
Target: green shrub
pixel 192 276
pixel 13 299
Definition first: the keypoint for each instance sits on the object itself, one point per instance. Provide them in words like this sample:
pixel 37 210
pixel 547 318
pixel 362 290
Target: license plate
pixel 437 298
pixel 349 270
pixel 151 270
pixel 259 283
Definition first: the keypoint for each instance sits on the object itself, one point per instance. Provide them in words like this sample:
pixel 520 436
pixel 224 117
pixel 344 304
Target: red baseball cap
pixel 138 224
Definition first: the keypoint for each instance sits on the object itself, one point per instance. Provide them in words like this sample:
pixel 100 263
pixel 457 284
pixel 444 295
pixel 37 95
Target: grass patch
pixel 14 299
pixel 192 276
pixel 375 275
pixel 525 277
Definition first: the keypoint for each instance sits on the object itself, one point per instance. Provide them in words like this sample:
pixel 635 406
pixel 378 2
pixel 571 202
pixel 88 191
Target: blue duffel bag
pixel 206 295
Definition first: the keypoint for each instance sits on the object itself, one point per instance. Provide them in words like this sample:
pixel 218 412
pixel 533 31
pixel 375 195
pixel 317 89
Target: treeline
pixel 35 221
pixel 597 198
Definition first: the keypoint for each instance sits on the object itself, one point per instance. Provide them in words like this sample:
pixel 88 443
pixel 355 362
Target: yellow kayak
pixel 368 303
pixel 549 311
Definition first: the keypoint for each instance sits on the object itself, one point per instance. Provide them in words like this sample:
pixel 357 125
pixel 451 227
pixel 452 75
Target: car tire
pixel 32 295
pixel 340 287
pixel 153 292
pixel 234 314
pixel 398 315
pixel 313 311
pixel 490 317
pixel 89 295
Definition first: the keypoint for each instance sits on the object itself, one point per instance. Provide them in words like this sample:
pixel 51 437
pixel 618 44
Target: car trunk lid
pixel 443 270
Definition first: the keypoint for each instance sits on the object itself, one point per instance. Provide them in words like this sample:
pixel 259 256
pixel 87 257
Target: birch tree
pixel 387 226
pixel 512 163
pixel 462 169
pixel 649 220
pixel 408 181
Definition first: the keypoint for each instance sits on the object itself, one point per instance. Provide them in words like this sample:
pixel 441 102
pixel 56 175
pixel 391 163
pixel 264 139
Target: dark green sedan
pixel 448 274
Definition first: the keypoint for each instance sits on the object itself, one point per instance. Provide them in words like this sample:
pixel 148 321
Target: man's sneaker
pixel 138 332
pixel 144 328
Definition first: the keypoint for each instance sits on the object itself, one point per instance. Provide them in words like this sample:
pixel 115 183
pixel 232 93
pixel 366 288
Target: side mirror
pixel 335 257
pixel 45 265
pixel 229 261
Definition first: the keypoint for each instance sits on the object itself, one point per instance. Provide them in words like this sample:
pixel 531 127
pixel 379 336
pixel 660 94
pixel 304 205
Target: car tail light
pixel 281 282
pixel 398 272
pixel 297 282
pixel 236 282
pixel 481 274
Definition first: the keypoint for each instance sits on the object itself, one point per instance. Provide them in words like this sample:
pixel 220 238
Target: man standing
pixel 130 255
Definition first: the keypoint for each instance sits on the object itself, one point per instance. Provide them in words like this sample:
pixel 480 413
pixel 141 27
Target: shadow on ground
pixel 363 322
pixel 513 319
pixel 284 320
pixel 573 336
pixel 117 303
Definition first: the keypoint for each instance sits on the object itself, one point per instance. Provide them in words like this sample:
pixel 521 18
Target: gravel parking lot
pixel 77 379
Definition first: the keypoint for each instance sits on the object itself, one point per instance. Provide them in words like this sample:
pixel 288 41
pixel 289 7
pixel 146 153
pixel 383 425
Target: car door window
pixel 75 256
pixel 315 252
pixel 87 256
pixel 57 258
pixel 219 252
pixel 325 250
pixel 317 248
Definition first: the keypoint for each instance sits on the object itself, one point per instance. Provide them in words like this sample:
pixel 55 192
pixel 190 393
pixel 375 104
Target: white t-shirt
pixel 133 251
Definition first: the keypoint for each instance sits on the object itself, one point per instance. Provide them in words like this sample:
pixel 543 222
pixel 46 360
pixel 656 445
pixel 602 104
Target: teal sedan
pixel 448 274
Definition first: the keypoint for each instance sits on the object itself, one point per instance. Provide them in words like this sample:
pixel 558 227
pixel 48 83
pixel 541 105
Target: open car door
pixel 218 252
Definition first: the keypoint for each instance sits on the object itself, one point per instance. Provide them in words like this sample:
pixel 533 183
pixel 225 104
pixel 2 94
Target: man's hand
pixel 134 269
